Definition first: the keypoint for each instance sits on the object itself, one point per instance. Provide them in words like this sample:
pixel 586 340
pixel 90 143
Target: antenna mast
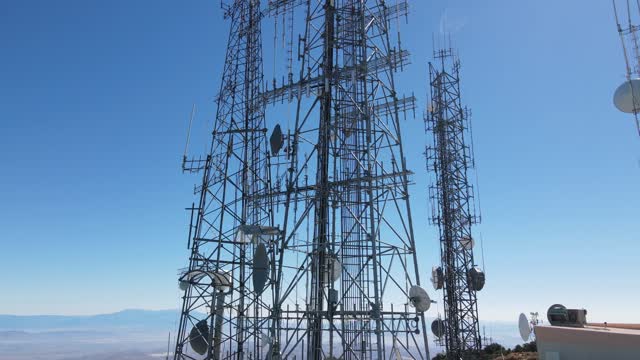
pixel 450 159
pixel 225 304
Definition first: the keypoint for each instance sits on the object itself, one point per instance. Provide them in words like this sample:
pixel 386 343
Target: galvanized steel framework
pixel 235 171
pixel 449 158
pixel 630 40
pixel 344 257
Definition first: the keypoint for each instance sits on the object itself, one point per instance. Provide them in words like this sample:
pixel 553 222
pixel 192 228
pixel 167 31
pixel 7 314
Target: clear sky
pixel 94 104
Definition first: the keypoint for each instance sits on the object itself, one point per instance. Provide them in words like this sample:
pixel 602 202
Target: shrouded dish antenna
pixel 438 327
pixel 627 96
pixel 260 268
pixel 419 298
pixel 476 278
pixel 523 326
pixel 198 337
pixel 557 314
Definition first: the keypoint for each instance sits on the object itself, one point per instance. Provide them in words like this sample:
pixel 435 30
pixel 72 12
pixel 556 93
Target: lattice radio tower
pixel 302 245
pixel 450 159
pixel 224 309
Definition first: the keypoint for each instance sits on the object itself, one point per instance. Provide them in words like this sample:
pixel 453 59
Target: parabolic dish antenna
pixel 523 326
pixel 438 327
pixel 276 140
pixel 260 268
pixel 627 96
pixel 419 298
pixel 198 337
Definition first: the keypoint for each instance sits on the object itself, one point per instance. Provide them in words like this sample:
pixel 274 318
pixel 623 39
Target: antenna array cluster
pixel 302 242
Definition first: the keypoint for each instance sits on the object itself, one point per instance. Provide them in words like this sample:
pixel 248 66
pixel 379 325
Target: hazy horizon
pixel 135 337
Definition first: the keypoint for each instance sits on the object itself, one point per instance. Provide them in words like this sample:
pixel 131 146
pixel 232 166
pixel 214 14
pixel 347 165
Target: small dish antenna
pixel 419 298
pixel 276 140
pixel 524 327
pixel 437 277
pixel 260 268
pixel 467 242
pixel 198 337
pixel 333 269
pixel 627 96
pixel 184 285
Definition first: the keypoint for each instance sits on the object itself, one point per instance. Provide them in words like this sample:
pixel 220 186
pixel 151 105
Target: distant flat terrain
pixel 81 345
pixel 129 335
pixel 125 335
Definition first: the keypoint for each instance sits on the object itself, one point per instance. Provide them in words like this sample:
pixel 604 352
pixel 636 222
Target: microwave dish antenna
pixel 524 327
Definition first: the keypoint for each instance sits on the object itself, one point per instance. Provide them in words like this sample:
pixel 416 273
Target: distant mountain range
pixel 129 319
pixel 156 322
pixel 124 335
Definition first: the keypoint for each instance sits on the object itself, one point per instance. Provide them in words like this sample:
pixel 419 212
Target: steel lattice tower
pixel 326 198
pixel 450 157
pixel 221 308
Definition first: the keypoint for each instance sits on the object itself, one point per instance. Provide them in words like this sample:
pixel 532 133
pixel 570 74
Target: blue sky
pixel 94 103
